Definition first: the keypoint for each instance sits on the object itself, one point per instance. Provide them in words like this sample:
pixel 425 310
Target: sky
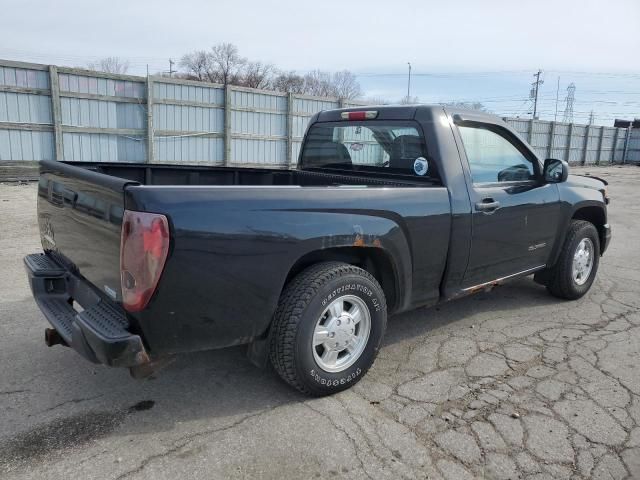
pixel 483 51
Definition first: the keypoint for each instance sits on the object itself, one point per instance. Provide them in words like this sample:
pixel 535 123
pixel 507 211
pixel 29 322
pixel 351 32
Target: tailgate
pixel 80 216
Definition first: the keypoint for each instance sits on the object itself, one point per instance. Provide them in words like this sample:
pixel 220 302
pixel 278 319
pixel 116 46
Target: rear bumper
pixel 607 238
pixel 100 332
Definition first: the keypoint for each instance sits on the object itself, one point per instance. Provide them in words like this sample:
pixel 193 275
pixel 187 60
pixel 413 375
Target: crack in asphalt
pixel 183 441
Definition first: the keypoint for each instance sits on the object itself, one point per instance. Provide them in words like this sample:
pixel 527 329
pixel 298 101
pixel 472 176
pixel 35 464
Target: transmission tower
pixel 568 107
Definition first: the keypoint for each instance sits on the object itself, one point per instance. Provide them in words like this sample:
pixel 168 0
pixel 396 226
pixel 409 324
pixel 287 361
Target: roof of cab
pixel 409 112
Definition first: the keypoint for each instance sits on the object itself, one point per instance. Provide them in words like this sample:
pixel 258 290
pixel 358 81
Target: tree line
pixel 223 64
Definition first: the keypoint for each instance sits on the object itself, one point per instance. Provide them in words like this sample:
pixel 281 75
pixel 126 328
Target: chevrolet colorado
pixel 390 208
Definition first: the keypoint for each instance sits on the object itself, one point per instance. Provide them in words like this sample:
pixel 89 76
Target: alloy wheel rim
pixel 341 333
pixel 582 261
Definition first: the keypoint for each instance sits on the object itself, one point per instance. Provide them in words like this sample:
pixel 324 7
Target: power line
pixel 497 72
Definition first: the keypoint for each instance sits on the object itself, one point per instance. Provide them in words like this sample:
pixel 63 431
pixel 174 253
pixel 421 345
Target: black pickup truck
pixel 390 208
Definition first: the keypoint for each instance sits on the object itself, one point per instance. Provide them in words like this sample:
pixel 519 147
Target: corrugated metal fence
pixel 577 144
pixel 49 112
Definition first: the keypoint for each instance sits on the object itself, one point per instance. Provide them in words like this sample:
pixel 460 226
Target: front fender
pixel 576 198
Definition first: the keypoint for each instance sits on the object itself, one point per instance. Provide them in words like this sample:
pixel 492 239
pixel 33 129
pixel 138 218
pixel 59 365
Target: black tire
pixel 560 282
pixel 302 303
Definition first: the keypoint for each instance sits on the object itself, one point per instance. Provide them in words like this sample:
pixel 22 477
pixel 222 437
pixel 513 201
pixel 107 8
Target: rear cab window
pixel 377 146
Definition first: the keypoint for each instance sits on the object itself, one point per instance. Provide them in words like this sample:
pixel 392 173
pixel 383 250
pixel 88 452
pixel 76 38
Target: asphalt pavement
pixel 506 384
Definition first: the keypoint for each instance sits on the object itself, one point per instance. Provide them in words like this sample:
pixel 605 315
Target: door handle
pixel 487 205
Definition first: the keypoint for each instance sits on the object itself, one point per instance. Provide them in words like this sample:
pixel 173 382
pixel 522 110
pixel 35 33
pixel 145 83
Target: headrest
pixel 404 150
pixel 326 152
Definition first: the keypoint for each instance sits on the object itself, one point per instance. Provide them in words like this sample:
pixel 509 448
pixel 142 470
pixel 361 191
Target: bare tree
pixel 318 83
pixel 345 85
pixel 288 82
pixel 227 62
pixel 198 66
pixel 257 75
pixel 109 65
pixel 223 64
pixel 341 84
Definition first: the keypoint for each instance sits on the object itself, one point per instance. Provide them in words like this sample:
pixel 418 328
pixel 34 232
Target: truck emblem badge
pixel 356 147
pixel 420 166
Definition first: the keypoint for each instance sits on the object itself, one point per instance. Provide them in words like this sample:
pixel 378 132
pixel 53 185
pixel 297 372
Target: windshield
pixel 385 146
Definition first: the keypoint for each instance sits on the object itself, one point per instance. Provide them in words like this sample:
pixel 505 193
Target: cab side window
pixel 493 158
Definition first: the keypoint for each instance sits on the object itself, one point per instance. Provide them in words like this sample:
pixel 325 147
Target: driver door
pixel 514 214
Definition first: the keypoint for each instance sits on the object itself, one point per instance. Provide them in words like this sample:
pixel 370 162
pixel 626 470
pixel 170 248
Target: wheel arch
pixel 377 261
pixel 594 214
pixel 590 211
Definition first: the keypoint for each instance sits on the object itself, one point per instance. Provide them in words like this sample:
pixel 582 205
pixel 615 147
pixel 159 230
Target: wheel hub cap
pixel 341 333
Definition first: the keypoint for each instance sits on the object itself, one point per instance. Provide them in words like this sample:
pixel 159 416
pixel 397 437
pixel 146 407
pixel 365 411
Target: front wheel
pixel 576 268
pixel 328 328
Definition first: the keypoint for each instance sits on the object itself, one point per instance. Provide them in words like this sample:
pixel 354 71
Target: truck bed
pixel 182 175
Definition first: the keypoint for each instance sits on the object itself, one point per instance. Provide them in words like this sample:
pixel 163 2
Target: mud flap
pixel 542 277
pixel 258 352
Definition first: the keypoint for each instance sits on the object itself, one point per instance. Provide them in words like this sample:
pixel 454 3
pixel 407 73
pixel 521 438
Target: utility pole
pixel 591 118
pixel 534 92
pixel 555 115
pixel 171 70
pixel 409 83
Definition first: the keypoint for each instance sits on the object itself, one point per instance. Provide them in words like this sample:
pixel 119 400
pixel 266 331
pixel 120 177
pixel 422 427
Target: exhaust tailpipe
pixel 52 337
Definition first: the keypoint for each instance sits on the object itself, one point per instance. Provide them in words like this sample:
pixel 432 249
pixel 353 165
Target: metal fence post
pixel 600 145
pixel 150 135
pixel 586 145
pixel 530 135
pixel 552 135
pixel 627 139
pixel 227 125
pixel 569 142
pixel 615 146
pixel 290 129
pixel 56 111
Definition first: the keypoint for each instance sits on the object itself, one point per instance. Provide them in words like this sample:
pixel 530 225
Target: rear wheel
pixel 576 268
pixel 328 328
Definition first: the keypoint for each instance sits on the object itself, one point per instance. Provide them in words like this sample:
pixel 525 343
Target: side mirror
pixel 555 171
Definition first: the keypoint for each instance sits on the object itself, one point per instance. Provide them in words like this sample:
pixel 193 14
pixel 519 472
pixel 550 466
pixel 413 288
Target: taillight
pixel 362 115
pixel 144 244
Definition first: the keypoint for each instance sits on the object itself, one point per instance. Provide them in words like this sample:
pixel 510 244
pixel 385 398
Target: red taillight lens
pixel 144 246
